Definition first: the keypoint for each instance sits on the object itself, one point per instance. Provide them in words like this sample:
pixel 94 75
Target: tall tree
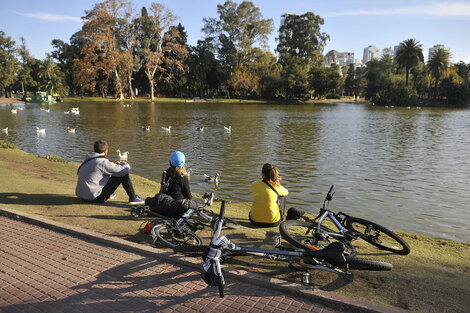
pixel 53 80
pixel 24 73
pixel 102 32
pixel 438 64
pixel 242 24
pixel 300 36
pixel 409 55
pixel 8 63
pixel 175 53
pixel 151 30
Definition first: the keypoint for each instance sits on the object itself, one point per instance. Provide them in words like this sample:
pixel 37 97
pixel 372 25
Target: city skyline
pixel 352 26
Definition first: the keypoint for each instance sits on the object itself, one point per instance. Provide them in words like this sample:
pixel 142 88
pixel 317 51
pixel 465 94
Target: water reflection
pixel 404 168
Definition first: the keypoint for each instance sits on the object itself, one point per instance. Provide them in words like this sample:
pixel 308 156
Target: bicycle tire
pixel 373 234
pixel 368 264
pixel 172 236
pixel 296 233
pixel 228 222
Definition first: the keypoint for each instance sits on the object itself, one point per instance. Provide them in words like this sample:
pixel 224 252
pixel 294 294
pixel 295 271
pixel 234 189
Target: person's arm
pixel 113 169
pixel 282 191
pixel 185 189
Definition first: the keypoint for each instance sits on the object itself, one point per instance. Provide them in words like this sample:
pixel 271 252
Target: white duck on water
pixel 122 156
pixel 166 129
pixel 228 129
pixel 40 131
pixel 5 130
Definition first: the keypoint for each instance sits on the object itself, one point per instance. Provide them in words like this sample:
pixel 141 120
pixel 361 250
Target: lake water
pixel 405 168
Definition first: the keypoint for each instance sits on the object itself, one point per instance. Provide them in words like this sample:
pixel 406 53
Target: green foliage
pixel 325 82
pixel 409 55
pixel 454 93
pixel 8 62
pixel 386 88
pixel 7 145
pixel 52 79
pixel 438 64
pixel 242 24
pixel 300 36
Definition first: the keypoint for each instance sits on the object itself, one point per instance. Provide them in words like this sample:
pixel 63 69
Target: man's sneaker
pixel 137 200
pixel 210 199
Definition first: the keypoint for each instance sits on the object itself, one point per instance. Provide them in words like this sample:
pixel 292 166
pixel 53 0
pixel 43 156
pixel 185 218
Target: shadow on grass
pixel 17 198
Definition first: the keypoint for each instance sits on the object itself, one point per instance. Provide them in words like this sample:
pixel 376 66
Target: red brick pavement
pixel 42 270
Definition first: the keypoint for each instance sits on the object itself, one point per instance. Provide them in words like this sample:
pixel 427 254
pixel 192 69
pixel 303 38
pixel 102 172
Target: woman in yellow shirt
pixel 265 209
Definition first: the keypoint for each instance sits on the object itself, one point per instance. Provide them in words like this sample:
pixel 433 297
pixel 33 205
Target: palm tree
pixel 438 64
pixel 409 54
pixel 51 76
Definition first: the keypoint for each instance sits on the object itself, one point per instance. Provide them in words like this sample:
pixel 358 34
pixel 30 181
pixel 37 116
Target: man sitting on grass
pixel 98 177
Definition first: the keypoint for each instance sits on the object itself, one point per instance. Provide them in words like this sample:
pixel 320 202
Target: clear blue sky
pixel 352 25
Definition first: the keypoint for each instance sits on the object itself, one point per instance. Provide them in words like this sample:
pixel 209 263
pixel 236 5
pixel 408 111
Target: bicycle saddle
pixel 333 253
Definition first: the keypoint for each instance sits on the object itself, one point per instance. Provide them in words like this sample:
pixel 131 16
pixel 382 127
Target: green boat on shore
pixel 40 97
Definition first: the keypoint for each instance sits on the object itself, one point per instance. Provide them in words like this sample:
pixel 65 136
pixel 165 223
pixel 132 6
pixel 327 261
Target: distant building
pixel 331 57
pixel 434 49
pixel 345 58
pixel 371 52
pixel 358 63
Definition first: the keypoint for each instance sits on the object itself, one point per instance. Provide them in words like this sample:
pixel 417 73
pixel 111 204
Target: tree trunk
pixel 119 85
pixel 152 97
pixel 131 93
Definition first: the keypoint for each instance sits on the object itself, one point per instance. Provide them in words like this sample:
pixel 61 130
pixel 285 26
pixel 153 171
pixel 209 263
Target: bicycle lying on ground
pixel 313 234
pixel 173 232
pixel 332 258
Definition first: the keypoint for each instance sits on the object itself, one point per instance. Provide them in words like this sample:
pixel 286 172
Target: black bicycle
pixel 172 232
pixel 332 258
pixel 313 234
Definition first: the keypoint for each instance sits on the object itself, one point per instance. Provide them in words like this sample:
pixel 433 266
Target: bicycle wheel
pixel 228 222
pixel 378 236
pixel 304 235
pixel 368 264
pixel 172 236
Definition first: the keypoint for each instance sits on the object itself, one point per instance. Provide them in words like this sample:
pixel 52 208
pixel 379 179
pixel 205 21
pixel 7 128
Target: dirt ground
pixel 10 100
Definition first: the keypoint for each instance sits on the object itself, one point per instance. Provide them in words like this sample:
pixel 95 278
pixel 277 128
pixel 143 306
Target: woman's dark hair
pixel 271 173
pixel 100 146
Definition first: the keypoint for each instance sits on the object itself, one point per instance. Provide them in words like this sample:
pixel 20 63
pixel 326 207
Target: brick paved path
pixel 42 270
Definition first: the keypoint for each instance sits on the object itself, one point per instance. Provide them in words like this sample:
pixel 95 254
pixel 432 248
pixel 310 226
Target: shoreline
pixel 10 100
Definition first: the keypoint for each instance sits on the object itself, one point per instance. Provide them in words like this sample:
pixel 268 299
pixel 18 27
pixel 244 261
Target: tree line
pixel 126 52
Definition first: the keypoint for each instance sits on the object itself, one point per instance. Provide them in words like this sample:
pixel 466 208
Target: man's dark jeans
pixel 112 185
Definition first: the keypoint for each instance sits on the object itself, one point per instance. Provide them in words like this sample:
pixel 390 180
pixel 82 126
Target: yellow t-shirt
pixel 265 208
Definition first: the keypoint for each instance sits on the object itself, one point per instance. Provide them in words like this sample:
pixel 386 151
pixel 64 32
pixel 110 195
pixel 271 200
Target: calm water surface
pixel 405 168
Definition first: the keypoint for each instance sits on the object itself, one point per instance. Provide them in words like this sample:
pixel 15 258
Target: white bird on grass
pixel 166 129
pixel 211 179
pixel 123 156
pixel 228 129
pixel 40 131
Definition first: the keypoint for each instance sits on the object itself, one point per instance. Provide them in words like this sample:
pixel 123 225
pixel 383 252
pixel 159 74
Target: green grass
pixel 435 277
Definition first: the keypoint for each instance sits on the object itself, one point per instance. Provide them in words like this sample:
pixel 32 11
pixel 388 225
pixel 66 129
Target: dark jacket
pixel 178 187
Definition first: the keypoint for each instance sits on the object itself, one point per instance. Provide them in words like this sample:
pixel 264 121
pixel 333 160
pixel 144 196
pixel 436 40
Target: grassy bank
pixel 435 277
